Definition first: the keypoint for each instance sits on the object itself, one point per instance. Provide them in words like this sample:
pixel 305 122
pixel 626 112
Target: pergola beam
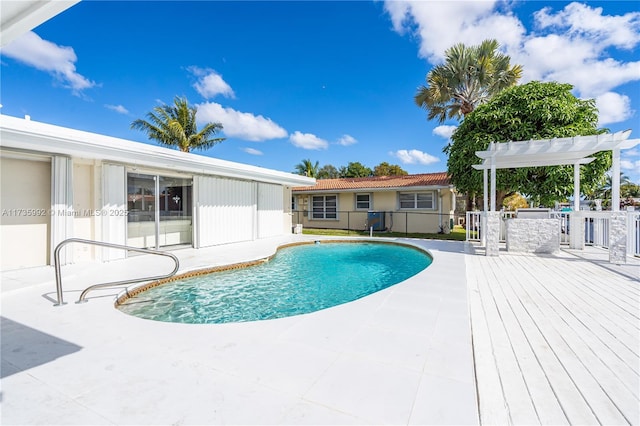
pixel 531 163
pixel 554 152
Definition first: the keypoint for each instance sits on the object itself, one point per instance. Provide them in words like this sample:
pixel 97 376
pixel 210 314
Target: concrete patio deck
pixel 555 340
pixel 399 356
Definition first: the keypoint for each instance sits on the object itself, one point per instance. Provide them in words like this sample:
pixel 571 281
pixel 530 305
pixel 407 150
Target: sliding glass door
pixel 160 211
pixel 175 211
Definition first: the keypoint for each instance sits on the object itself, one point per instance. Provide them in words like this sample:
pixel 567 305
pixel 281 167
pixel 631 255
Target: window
pixel 416 200
pixel 324 207
pixel 294 206
pixel 363 201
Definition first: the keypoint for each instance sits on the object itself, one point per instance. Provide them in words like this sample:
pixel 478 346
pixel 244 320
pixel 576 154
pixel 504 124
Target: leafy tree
pixel 307 168
pixel 355 169
pixel 531 111
pixel 629 190
pixel 175 126
pixel 470 75
pixel 515 202
pixel 328 172
pixel 386 169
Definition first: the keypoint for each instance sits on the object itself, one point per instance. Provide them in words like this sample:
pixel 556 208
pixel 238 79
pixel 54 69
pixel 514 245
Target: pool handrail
pixel 57 266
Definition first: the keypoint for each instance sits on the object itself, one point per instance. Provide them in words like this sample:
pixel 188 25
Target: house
pixel 421 203
pixel 58 183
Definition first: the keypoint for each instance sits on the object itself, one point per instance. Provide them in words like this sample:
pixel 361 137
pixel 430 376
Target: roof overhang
pixel 19 16
pixel 41 138
pixel 552 152
pixel 363 190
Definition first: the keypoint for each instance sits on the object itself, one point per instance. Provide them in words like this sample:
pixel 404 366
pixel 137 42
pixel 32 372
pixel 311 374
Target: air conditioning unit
pixel 376 220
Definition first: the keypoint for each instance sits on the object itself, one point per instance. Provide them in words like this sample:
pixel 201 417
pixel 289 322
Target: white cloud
pixel 570 45
pixel 308 141
pixel 347 140
pixel 444 131
pixel 242 125
pixel 584 21
pixel 440 24
pixel 252 151
pixel 59 61
pixel 210 83
pixel 414 156
pixel 613 108
pixel 629 165
pixel 117 108
pixel 634 152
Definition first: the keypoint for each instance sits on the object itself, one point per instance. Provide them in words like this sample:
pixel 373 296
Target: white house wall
pixel 270 208
pixel 225 210
pixel 25 197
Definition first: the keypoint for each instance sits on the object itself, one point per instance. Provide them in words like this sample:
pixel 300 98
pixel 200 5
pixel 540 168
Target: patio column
pixel 492 233
pixel 493 184
pixel 576 187
pixel 485 174
pixel 114 197
pixel 61 205
pixel 615 181
pixel 576 230
pixel 618 237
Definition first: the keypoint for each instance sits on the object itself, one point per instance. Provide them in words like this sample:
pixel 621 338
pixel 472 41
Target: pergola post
pixel 615 181
pixel 576 187
pixel 576 221
pixel 493 185
pixel 485 193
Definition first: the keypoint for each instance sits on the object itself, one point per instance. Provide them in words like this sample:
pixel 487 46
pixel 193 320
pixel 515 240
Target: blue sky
pixel 331 81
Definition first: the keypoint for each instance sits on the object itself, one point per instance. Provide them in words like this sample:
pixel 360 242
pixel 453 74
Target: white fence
pixel 596 228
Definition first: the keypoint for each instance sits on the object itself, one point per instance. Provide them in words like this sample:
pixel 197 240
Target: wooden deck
pixel 556 338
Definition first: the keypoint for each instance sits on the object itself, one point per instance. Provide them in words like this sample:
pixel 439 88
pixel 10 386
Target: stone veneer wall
pixel 492 233
pixel 533 235
pixel 618 237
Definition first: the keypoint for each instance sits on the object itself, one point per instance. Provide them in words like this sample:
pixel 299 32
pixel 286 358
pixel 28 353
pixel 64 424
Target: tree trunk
pixel 471 201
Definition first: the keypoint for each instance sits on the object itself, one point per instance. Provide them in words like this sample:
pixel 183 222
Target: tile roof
pixel 426 179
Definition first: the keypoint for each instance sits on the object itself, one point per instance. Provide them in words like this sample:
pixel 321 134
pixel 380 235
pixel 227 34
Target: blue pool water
pixel 297 280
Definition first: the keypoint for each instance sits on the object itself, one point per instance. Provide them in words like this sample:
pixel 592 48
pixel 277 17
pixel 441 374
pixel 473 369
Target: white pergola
pixel 555 152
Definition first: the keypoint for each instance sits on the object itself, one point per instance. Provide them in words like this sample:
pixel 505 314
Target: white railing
pixel 474 225
pixel 563 223
pixel 596 228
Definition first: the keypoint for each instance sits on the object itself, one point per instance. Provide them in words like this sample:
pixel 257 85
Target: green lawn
pixel 458 234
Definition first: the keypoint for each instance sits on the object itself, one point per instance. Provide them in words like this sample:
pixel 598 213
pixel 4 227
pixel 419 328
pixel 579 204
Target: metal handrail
pixel 56 258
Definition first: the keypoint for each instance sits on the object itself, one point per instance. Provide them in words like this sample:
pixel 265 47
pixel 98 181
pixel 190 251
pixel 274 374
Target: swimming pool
pixel 297 280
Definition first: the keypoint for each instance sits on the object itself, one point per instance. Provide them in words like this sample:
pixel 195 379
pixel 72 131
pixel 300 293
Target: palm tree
pixel 469 76
pixel 307 168
pixel 605 189
pixel 175 125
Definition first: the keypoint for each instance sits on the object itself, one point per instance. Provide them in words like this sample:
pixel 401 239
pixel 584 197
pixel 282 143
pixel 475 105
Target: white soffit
pixel 19 16
pixel 552 152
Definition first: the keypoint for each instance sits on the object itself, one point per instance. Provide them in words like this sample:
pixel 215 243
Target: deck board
pixel 560 334
pixel 546 405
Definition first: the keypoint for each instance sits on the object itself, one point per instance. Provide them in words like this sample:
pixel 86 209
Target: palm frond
pixel 469 76
pixel 175 125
